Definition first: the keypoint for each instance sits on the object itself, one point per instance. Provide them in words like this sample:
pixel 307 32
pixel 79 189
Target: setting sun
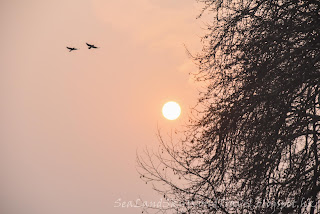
pixel 171 110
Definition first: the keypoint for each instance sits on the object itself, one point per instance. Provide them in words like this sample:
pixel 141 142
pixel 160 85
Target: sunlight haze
pixel 72 122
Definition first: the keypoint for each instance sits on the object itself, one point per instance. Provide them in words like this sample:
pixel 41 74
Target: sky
pixel 72 123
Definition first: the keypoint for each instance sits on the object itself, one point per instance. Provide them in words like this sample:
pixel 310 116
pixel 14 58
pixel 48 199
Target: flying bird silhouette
pixel 72 49
pixel 91 46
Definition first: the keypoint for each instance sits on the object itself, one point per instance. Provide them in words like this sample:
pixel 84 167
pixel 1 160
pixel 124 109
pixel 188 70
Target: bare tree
pixel 255 146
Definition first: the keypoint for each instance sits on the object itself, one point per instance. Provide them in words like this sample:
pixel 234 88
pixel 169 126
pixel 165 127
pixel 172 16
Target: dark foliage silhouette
pixel 254 147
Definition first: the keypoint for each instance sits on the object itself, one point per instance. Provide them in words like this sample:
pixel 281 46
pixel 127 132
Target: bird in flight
pixel 72 49
pixel 91 46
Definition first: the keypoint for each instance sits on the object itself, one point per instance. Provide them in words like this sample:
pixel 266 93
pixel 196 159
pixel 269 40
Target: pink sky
pixel 71 123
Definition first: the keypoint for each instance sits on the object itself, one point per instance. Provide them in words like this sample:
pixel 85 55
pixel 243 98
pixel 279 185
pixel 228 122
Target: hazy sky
pixel 71 123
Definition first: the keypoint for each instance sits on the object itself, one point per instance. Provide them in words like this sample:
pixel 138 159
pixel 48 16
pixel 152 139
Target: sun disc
pixel 171 110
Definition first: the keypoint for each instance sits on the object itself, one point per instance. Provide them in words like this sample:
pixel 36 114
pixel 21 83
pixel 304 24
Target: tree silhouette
pixel 255 146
